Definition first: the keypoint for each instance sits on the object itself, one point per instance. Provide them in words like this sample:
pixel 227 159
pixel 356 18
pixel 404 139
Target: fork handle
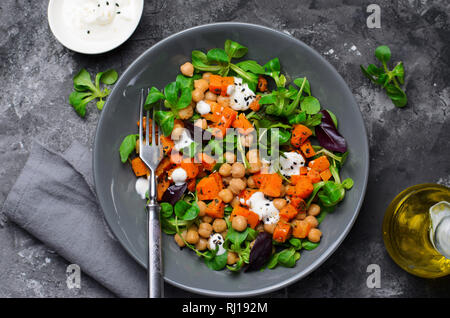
pixel 155 274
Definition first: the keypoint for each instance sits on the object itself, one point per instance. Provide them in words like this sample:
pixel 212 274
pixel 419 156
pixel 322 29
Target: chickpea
pixel 176 133
pixel 314 235
pixel 226 180
pixel 237 170
pixel 206 76
pixel 197 95
pixel 187 69
pixel 201 84
pixel 202 207
pixel 224 233
pixel 300 215
pixel 239 223
pixel 202 244
pixel 254 161
pixel 219 225
pixel 186 112
pixel 205 230
pixel 252 156
pixel 279 203
pixel 210 96
pixel 230 157
pixel 179 240
pixel 226 195
pixel 247 140
pixel 193 227
pixel 207 219
pixel 201 123
pixel 269 228
pixel 232 258
pixel 314 209
pixel 312 221
pixel 192 237
pixel 237 185
pixel 251 183
pixel 225 170
pixel 223 101
pixel 235 202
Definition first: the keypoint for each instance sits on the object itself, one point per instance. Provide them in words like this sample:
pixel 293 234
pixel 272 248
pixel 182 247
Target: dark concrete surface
pixel 408 146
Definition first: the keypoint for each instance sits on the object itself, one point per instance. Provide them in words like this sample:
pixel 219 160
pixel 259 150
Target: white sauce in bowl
pixel 93 26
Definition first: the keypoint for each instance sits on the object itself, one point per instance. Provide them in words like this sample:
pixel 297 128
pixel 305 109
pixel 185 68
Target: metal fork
pixel 151 155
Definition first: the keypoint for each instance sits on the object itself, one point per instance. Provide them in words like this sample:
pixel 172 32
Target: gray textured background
pixel 408 146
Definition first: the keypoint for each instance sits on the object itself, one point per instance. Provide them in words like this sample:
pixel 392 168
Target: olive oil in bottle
pixel 416 230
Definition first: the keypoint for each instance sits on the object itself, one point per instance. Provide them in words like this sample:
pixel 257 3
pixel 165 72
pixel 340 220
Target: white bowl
pixel 74 42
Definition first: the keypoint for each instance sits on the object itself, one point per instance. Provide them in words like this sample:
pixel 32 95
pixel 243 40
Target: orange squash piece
pixel 215 84
pixel 242 124
pixel 163 166
pixel 314 176
pixel 215 208
pixel 301 228
pixel 166 143
pixel 208 188
pixel 226 81
pixel 139 167
pixel 320 164
pixel 190 168
pixel 272 185
pixel 191 185
pixel 255 104
pixel 303 170
pixel 299 135
pixel 245 195
pixel 298 203
pixel 303 188
pixel 282 231
pixel 163 184
pixel 326 175
pixel 228 115
pixel 259 179
pixel 307 149
pixel 288 212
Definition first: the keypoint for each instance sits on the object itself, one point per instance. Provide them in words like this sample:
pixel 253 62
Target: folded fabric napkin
pixel 54 200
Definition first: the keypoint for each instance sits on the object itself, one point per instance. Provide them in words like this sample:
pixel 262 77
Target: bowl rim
pixel 64 43
pixel 321 258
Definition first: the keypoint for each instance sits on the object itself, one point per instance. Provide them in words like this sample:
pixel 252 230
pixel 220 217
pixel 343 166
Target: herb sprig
pixel 389 79
pixel 86 91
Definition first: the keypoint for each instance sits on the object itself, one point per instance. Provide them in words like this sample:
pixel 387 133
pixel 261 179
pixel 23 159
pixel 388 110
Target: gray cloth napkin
pixel 54 200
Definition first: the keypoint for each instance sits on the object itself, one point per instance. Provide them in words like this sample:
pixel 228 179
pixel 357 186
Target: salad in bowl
pixel 251 162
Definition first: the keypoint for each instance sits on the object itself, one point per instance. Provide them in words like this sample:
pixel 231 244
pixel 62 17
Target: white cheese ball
pixel 203 107
pixel 179 176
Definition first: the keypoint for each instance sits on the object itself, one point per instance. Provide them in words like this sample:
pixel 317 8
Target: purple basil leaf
pixel 328 136
pixel 174 193
pixel 260 252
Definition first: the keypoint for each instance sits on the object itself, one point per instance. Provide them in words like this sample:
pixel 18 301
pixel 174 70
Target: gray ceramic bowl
pixel 114 181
